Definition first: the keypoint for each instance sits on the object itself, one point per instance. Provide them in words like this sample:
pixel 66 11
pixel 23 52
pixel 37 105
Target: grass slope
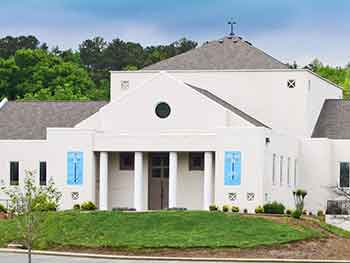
pixel 159 230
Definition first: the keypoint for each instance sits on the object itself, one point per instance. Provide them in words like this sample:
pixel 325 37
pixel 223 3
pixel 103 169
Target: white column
pixel 172 178
pixel 208 180
pixel 138 181
pixel 103 181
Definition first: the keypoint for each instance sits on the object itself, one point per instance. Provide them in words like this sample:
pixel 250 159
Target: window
pixel 295 172
pixel 281 170
pixel 75 168
pixel 274 169
pixel 42 173
pixel 163 110
pixel 14 173
pixel 196 160
pixel 291 83
pixel 288 171
pixel 344 175
pixel 126 161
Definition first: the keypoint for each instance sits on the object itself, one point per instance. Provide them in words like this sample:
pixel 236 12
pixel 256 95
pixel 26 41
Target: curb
pixel 148 258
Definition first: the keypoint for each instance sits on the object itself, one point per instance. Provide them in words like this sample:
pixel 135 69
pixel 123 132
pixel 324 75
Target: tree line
pixel 29 70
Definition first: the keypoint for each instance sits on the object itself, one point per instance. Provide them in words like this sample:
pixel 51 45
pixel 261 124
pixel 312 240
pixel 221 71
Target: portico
pixel 156 180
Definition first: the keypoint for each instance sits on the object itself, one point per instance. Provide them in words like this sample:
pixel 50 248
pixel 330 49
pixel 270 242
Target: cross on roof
pixel 232 23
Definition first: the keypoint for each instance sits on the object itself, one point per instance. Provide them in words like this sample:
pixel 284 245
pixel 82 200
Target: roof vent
pixel 3 102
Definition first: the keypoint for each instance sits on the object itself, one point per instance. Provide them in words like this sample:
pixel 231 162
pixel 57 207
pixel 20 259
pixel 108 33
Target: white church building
pixel 224 123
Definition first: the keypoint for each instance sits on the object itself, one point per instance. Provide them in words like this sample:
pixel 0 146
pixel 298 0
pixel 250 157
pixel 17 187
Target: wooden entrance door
pixel 158 181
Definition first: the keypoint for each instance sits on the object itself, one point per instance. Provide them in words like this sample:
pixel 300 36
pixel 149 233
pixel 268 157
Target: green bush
pixel 289 211
pixel 296 214
pixel 42 203
pixel 274 208
pixel 305 212
pixel 3 209
pixel 88 206
pixel 213 207
pixel 76 207
pixel 226 208
pixel 235 209
pixel 259 210
pixel 320 213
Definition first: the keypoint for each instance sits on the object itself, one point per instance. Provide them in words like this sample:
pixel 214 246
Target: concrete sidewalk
pixel 19 256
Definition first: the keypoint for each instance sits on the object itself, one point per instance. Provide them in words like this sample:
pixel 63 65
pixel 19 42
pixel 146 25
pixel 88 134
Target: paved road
pixel 22 258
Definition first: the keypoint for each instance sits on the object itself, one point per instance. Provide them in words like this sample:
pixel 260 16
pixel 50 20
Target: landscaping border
pixel 121 257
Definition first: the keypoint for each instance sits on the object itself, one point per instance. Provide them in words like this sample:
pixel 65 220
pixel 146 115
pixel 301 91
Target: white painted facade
pixel 196 123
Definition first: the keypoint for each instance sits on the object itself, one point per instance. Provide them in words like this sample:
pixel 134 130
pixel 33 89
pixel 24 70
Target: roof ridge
pixel 223 53
pixel 263 52
pixel 228 106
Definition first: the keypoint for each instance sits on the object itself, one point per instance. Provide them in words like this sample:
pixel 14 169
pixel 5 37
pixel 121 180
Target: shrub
pixel 42 203
pixel 226 208
pixel 88 206
pixel 305 212
pixel 320 213
pixel 76 207
pixel 213 208
pixel 296 214
pixel 3 209
pixel 235 209
pixel 289 211
pixel 245 210
pixel 176 209
pixel 274 208
pixel 299 196
pixel 310 213
pixel 259 210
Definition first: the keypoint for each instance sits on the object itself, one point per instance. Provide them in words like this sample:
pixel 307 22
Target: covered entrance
pixel 158 181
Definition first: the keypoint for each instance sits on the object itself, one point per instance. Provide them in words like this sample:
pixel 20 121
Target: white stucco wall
pixel 258 93
pixel 54 152
pixel 317 90
pixel 287 147
pixel 251 144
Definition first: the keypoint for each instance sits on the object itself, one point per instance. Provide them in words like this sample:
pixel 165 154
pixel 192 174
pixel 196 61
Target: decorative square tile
pixel 232 196
pixel 250 196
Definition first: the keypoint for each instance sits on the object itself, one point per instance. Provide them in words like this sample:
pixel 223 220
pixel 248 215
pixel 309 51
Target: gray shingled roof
pixel 227 53
pixel 334 120
pixel 228 106
pixel 21 120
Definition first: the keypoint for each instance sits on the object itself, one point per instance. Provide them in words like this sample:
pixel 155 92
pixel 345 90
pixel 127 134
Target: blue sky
pixel 287 29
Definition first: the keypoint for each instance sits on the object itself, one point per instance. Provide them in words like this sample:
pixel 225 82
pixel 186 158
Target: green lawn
pixel 159 230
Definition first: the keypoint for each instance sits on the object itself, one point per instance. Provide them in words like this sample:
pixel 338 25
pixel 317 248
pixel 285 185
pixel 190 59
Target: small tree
pixel 299 196
pixel 30 205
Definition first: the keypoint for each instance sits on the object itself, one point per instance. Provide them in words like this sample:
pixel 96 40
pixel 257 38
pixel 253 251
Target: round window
pixel 163 110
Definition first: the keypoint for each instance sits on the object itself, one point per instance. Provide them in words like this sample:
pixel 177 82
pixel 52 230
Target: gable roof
pixel 24 120
pixel 227 53
pixel 334 120
pixel 228 106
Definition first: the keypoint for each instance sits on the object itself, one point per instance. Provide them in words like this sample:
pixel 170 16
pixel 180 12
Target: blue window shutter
pixel 232 168
pixel 75 166
pixel 70 168
pixel 79 168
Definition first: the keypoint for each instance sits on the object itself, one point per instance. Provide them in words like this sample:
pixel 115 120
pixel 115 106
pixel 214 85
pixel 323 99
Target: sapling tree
pixel 299 196
pixel 29 205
